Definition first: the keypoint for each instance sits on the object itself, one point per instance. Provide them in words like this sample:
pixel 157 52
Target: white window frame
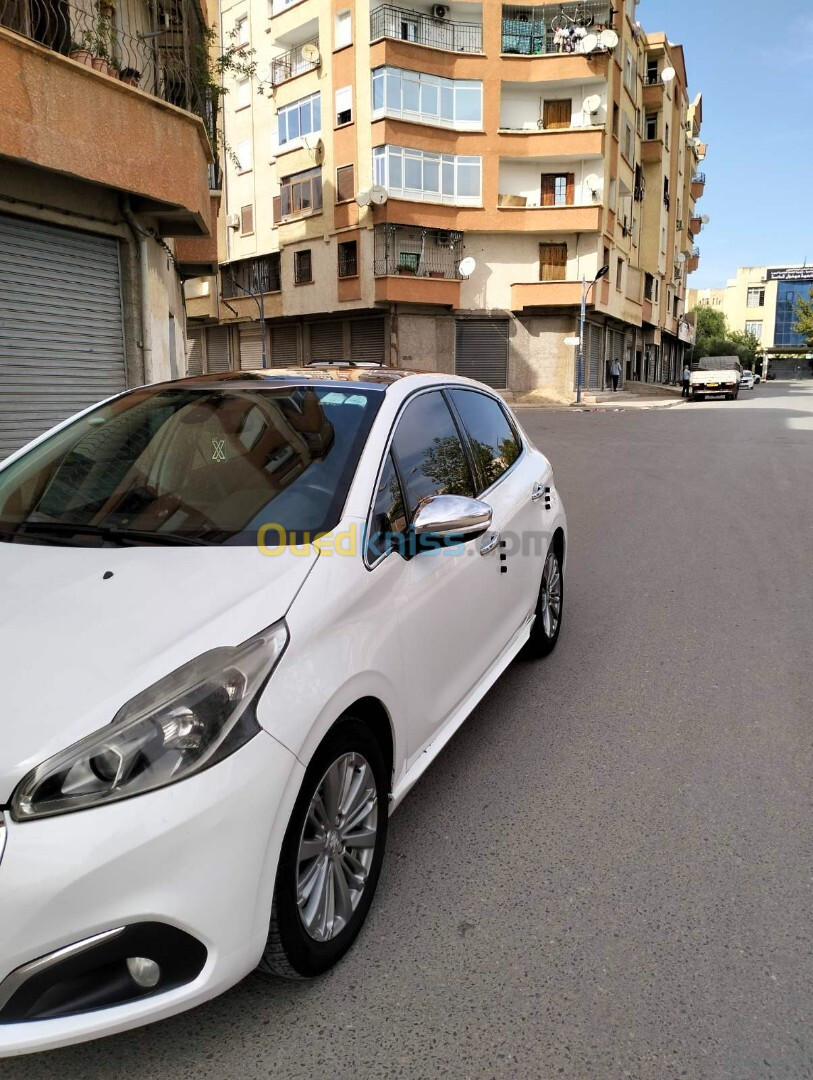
pixel 442 87
pixel 343 29
pixel 245 156
pixel 243 95
pixel 757 332
pixel 296 106
pixel 448 166
pixel 759 298
pixel 343 103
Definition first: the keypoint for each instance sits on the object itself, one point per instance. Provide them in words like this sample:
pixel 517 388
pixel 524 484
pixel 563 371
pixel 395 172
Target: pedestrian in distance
pixel 686 373
pixel 615 374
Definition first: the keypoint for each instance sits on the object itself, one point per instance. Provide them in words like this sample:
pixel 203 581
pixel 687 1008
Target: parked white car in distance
pixel 242 615
pixel 747 381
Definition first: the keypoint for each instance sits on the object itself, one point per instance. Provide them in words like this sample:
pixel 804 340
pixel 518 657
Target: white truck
pixel 715 375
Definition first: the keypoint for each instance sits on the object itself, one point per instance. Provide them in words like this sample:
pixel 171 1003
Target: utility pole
pixel 603 272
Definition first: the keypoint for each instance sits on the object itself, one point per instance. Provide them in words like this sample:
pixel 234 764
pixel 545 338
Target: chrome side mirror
pixel 447 520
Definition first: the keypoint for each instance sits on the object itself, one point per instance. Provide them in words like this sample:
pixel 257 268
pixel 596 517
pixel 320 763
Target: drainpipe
pixel 143 239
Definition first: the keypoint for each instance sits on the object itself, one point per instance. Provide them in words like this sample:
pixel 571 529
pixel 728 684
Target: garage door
pixel 481 351
pixel 251 349
pixel 367 340
pixel 61 336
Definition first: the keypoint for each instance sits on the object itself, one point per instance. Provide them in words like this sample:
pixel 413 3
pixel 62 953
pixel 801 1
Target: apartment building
pixel 106 169
pixel 428 185
pixel 761 300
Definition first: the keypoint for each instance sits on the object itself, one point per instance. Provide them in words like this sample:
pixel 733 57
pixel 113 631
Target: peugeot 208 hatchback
pixel 242 615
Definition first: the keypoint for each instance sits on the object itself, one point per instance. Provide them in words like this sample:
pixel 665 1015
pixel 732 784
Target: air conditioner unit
pixel 439 11
pixel 233 221
pixel 444 239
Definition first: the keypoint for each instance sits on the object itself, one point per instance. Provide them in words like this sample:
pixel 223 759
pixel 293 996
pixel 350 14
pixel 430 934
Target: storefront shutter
pixel 251 350
pixel 481 351
pixel 285 345
pixel 367 340
pixel 217 349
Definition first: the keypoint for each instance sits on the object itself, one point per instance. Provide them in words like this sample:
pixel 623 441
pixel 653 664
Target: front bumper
pixel 199 856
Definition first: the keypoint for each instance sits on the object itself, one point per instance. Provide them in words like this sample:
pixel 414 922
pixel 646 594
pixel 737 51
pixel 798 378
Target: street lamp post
pixel 258 300
pixel 603 272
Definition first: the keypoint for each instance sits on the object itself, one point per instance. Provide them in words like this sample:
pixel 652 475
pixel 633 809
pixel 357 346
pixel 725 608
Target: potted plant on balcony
pixel 408 263
pixel 130 76
pixel 80 51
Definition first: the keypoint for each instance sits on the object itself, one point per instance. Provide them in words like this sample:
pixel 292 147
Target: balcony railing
pixel 420 29
pixel 653 79
pixel 552 28
pixel 293 63
pixel 251 276
pixel 417 252
pixel 699 178
pixel 160 47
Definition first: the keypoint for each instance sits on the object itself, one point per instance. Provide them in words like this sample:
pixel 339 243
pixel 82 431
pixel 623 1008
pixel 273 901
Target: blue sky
pixel 752 62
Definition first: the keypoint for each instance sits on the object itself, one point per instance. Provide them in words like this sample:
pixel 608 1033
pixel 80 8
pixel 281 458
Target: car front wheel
pixel 331 856
pixel 549 608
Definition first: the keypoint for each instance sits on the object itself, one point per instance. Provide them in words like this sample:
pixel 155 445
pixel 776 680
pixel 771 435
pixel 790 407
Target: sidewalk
pixel 634 395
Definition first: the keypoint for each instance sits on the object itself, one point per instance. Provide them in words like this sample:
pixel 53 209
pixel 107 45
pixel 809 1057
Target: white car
pixel 747 380
pixel 242 614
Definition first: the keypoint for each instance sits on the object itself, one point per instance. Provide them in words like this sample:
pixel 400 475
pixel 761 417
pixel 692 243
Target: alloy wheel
pixel 550 600
pixel 337 846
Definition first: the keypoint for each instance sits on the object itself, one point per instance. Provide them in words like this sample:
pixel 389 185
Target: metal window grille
pixel 417 252
pixel 303 267
pixel 414 26
pixel 348 259
pixel 251 276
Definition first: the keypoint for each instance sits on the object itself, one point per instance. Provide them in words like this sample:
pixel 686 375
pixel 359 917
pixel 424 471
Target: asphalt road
pixel 609 872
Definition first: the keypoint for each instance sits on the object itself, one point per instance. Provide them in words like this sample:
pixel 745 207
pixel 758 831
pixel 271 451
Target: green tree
pixel 804 318
pixel 711 330
pixel 746 346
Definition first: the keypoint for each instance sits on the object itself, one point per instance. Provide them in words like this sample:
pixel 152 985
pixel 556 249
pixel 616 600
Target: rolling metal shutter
pixel 285 345
pixel 61 333
pixel 217 349
pixel 327 341
pixel 251 349
pixel 481 351
pixel 194 350
pixel 593 353
pixel 367 340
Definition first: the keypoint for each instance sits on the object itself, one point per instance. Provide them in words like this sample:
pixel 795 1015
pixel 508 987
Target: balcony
pixel 698 185
pixel 564 143
pixel 546 294
pixel 695 225
pixel 413 252
pixel 519 217
pixel 652 151
pixel 126 40
pixel 416 28
pixel 292 63
pixel 544 29
pixel 251 277
pixel 653 92
pixel 87 97
pixel 406 290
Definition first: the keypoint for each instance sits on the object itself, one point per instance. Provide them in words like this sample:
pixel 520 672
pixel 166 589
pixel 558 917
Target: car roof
pixel 372 376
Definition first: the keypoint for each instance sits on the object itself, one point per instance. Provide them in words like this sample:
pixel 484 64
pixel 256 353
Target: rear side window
pixel 429 452
pixel 494 443
pixel 389 514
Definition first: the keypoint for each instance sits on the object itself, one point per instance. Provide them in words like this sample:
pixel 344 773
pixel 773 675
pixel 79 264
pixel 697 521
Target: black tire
pixel 542 643
pixel 290 951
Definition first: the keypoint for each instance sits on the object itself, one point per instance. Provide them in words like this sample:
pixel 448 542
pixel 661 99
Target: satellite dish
pixel 573 341
pixel 311 54
pixel 608 39
pixel 593 184
pixel 363 198
pixel 590 43
pixel 668 75
pixel 592 104
pixel 681 258
pixel 378 195
pixel 467 266
pixel 705 219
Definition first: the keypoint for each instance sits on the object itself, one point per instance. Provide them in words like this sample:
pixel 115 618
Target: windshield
pixel 192 465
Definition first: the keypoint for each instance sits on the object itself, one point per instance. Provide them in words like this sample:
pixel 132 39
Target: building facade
pixel 428 185
pixel 106 168
pixel 761 300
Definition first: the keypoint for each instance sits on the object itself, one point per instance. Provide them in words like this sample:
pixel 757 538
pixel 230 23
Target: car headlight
pixel 189 720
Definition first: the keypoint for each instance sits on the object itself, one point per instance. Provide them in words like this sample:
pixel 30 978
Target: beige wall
pixel 733 301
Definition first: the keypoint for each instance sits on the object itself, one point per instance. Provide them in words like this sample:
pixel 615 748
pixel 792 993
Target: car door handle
pixel 490 543
pixel 538 491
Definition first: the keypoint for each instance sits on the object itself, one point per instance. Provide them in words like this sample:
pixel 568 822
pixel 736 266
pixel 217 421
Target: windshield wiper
pixel 116 535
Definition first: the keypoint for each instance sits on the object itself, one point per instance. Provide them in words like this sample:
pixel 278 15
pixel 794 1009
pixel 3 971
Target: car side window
pixel 494 442
pixel 428 450
pixel 388 518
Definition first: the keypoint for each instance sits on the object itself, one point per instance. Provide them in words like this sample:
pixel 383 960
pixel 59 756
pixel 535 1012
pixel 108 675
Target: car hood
pixel 84 630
